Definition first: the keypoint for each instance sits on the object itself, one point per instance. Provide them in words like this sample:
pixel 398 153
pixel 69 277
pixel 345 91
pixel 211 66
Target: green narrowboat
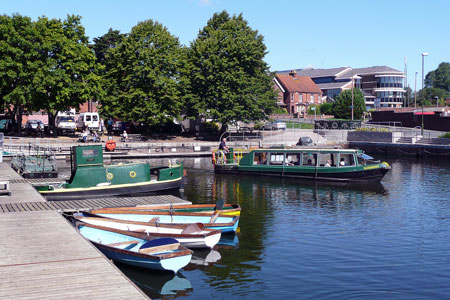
pixel 341 165
pixel 91 178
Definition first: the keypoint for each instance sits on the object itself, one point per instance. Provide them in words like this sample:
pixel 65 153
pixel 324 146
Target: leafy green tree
pixel 143 73
pixel 102 44
pixel 326 108
pixel 439 78
pixel 342 107
pixel 228 78
pixel 68 75
pixel 430 95
pixel 18 64
pixel 409 98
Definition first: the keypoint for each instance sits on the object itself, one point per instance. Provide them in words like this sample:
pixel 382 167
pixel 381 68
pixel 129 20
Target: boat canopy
pixel 365 156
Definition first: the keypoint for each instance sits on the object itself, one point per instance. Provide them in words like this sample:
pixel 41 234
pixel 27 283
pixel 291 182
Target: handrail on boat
pixel 238 154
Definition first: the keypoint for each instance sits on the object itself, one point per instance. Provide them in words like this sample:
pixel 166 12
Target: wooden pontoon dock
pixel 42 256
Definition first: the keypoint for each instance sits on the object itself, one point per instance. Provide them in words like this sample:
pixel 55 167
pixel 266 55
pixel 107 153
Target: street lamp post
pixel 423 95
pixel 352 94
pixel 415 92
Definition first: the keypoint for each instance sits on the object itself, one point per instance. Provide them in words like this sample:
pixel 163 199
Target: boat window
pixel 293 159
pixel 328 159
pixel 361 161
pixel 346 159
pixel 276 159
pixel 309 159
pixel 90 153
pixel 260 158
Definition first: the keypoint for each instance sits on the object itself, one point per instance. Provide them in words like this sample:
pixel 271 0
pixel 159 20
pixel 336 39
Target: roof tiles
pixel 298 84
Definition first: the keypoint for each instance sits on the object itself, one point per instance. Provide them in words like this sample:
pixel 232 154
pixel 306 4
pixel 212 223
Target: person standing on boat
pixel 223 149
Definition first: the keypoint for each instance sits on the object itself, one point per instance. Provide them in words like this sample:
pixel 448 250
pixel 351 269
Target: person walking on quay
pixel 109 126
pixel 223 149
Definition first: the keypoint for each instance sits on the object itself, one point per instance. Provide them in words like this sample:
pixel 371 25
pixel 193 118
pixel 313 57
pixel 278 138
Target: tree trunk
pixel 19 121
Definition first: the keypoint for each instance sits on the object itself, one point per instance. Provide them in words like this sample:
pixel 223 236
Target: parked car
pixel 275 125
pixel 65 124
pixel 119 127
pixel 34 127
pixel 89 120
pixel 305 141
pixel 5 125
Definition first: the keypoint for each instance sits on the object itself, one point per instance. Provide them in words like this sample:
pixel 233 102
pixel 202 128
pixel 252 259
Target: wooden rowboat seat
pixel 163 248
pixel 122 243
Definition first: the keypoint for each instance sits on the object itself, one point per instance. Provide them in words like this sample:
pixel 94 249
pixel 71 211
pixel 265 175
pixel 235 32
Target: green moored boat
pixel 324 164
pixel 91 178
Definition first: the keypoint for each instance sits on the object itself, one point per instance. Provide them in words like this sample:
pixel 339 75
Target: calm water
pixel 306 241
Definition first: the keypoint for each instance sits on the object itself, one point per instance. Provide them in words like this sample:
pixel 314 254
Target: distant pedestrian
pixel 109 126
pixel 125 136
pixel 223 149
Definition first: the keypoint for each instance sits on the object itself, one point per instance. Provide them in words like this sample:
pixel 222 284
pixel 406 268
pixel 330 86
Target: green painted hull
pixel 364 172
pixel 92 179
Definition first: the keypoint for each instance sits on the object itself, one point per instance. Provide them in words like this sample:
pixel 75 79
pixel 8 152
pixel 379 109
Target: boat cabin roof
pixel 296 150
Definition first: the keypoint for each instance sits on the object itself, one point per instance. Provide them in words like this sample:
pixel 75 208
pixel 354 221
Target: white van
pixel 90 120
pixel 65 123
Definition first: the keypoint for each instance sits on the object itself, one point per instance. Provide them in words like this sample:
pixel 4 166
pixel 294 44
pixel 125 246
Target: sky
pixel 297 34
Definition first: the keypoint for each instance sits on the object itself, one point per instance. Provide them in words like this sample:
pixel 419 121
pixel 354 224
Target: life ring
pixel 132 174
pixel 110 145
pixel 109 176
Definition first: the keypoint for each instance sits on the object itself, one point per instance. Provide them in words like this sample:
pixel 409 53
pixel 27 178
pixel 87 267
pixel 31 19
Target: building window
pixel 390 82
pixel 311 99
pixel 300 98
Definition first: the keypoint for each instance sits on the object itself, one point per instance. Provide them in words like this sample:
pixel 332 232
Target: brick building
pixel 296 93
pixel 382 86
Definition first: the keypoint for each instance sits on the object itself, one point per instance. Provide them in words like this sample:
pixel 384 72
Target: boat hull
pixel 126 248
pixel 223 223
pixel 354 175
pixel 172 264
pixel 111 190
pixel 202 239
pixel 227 209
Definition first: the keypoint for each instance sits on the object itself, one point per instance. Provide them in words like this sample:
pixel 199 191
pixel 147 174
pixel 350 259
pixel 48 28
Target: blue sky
pixel 321 34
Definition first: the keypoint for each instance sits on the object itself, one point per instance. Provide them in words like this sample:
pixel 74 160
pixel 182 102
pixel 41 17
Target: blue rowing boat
pixel 164 254
pixel 216 221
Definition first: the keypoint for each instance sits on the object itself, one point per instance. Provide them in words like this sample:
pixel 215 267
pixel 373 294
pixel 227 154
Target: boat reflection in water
pixel 228 241
pixel 203 259
pixel 158 285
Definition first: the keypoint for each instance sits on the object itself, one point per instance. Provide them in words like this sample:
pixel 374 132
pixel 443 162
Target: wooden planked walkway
pixel 74 205
pixel 43 257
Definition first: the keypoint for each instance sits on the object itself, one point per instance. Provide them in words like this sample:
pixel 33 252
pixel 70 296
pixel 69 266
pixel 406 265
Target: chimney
pixel 293 73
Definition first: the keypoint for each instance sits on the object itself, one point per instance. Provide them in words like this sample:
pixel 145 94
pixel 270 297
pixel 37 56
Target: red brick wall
pixel 85 107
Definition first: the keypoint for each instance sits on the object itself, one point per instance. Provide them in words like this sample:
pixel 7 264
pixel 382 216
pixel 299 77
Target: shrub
pixel 280 111
pixel 372 129
pixel 326 109
pixel 311 112
pixel 258 125
pixel 446 135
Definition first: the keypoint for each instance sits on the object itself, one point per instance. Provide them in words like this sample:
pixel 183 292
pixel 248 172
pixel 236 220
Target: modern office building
pixel 382 86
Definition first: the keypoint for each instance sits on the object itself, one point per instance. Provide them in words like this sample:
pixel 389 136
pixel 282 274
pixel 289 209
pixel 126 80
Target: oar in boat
pixel 219 206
